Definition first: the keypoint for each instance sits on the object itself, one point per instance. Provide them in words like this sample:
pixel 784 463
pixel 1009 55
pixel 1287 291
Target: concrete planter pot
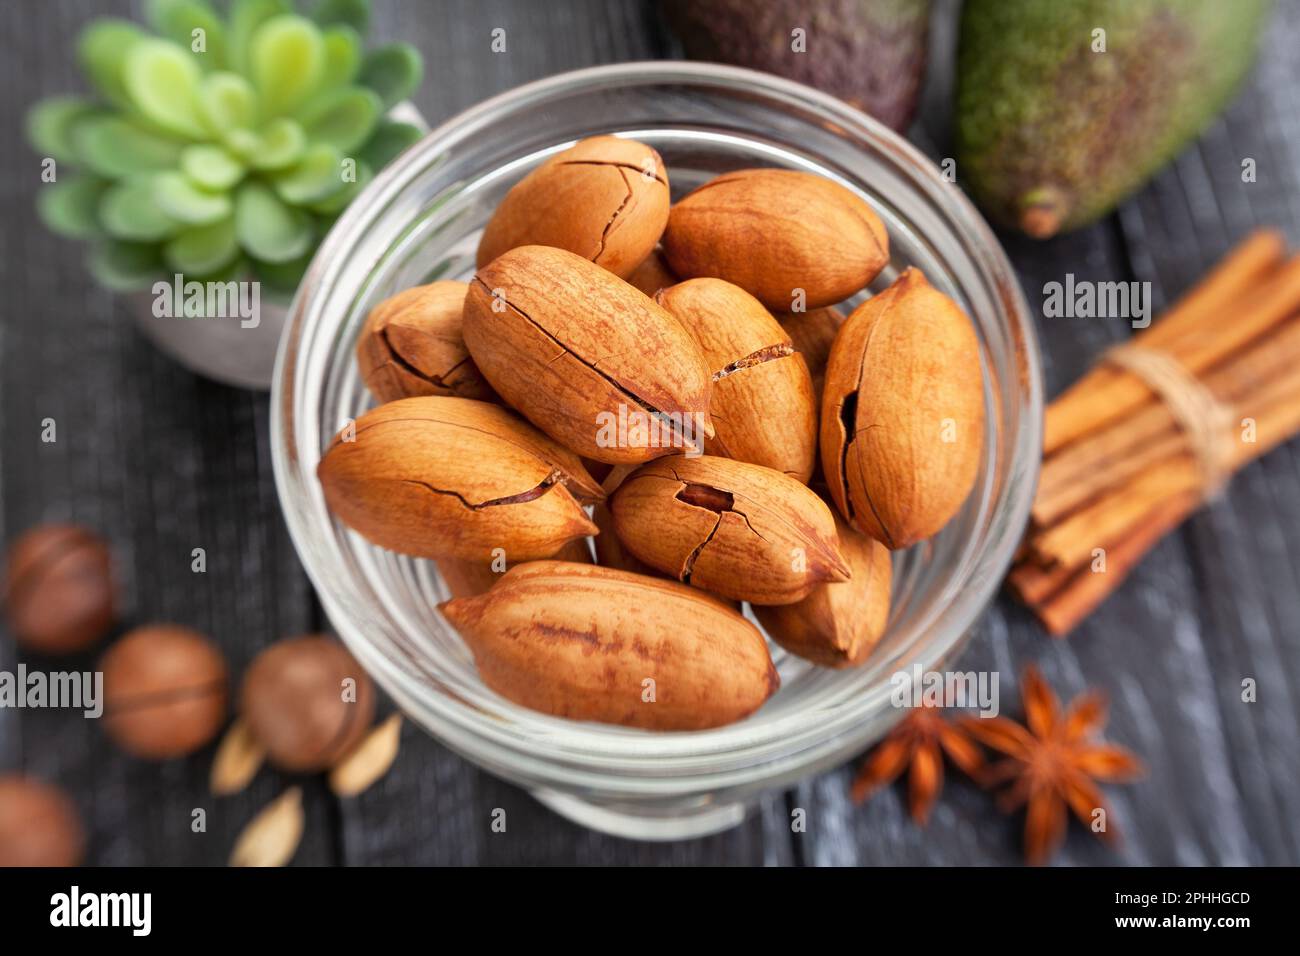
pixel 219 348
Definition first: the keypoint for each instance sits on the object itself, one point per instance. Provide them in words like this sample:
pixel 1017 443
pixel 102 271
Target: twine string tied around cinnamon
pixel 1209 424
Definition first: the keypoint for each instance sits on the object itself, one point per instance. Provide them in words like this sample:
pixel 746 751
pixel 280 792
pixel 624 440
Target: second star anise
pixel 1053 764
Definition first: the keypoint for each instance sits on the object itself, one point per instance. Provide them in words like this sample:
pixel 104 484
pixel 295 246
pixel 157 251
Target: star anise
pixel 919 739
pixel 1054 764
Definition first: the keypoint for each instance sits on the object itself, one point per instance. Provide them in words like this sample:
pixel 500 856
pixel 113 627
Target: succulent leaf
pixel 317 175
pixel 393 72
pixel 288 60
pixel 130 210
pixel 389 139
pixel 350 13
pixel 102 49
pixel 116 148
pixel 343 118
pixel 186 202
pixel 239 268
pixel 245 18
pixel 211 167
pixel 228 140
pixel 227 101
pixel 203 250
pixel 162 81
pixel 50 124
pixel 125 266
pixel 177 20
pixel 71 207
pixel 336 203
pixel 282 278
pixel 268 228
pixel 342 56
pixel 280 143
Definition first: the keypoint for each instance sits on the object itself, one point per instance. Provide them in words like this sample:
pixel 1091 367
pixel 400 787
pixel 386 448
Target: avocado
pixel 870 53
pixel 1051 135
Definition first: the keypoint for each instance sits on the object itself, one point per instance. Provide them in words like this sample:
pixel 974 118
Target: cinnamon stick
pixel 1273 302
pixel 1085 589
pixel 1249 263
pixel 1277 299
pixel 1034 584
pixel 1277 416
pixel 1063 596
pixel 1078 410
pixel 1122 470
pixel 1111 456
pixel 1071 542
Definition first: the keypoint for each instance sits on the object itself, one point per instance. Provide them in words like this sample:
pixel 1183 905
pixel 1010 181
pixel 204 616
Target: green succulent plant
pixel 219 146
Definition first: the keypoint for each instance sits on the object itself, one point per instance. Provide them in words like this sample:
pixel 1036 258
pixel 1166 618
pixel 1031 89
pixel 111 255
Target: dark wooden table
pixel 164 462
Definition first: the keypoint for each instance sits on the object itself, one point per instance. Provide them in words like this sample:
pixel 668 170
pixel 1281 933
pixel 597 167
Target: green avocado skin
pixel 1051 135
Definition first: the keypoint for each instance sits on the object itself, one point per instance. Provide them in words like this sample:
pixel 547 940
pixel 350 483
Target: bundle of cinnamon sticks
pixel 1128 455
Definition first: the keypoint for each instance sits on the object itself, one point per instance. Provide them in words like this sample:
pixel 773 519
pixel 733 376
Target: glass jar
pixel 420 220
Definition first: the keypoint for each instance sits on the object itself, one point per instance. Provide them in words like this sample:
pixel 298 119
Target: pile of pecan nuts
pixel 673 383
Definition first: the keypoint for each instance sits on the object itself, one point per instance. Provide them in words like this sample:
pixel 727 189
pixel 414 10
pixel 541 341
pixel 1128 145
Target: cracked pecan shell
pixel 592 643
pixel 586 357
pixel 412 345
pixel 762 404
pixel 775 231
pixel 739 530
pixel 451 477
pixel 902 419
pixel 605 199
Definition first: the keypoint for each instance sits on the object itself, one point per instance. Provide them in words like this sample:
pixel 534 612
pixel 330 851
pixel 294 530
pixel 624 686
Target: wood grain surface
pixel 163 462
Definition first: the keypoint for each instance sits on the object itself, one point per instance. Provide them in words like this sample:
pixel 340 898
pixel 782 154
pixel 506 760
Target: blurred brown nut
pixel 59 589
pixel 165 691
pixel 297 704
pixel 38 824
